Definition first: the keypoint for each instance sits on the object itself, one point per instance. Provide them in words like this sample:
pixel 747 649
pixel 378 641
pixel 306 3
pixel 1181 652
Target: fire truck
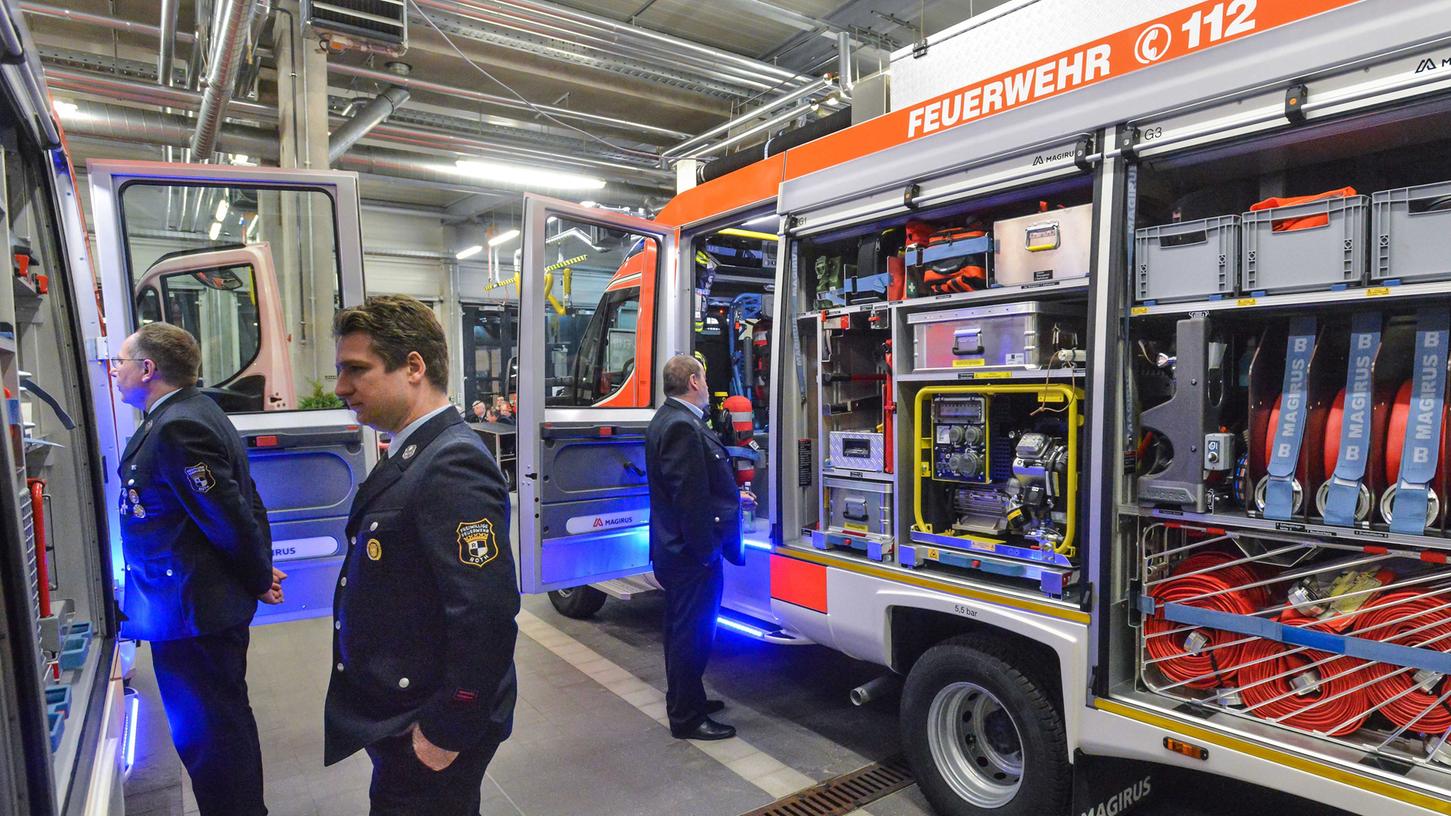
pixel 1102 399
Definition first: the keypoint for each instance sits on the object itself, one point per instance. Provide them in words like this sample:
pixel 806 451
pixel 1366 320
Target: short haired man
pixel 198 554
pixel 694 522
pixel 476 411
pixel 423 647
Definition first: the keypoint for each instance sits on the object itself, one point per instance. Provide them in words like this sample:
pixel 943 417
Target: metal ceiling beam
pixel 725 127
pixel 167 53
pixel 498 28
pixel 727 60
pixel 421 139
pixel 415 84
pixel 114 123
pixel 868 43
pixel 101 20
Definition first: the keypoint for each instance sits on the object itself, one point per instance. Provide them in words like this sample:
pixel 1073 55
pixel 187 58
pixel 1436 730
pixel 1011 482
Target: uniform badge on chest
pixel 477 545
pixel 375 549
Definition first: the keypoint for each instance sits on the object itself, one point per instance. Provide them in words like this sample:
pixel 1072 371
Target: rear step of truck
pixel 626 588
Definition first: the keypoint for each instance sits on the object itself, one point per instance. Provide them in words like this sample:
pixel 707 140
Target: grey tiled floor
pixel 579 748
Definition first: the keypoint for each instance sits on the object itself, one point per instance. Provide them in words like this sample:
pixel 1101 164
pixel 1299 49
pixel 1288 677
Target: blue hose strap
pixel 1343 495
pixel 1294 403
pixel 1423 427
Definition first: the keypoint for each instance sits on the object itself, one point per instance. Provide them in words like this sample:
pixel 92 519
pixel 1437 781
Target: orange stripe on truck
pixel 798 582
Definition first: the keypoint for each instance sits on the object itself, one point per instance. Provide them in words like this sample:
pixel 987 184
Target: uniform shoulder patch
pixel 200 477
pixel 477 544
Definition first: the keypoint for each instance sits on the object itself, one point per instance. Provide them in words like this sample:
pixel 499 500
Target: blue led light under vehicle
pixel 129 737
pixel 743 628
pixel 756 545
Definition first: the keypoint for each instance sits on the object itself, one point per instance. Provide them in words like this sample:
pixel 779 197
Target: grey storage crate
pixel 1305 260
pixel 1189 261
pixel 1411 233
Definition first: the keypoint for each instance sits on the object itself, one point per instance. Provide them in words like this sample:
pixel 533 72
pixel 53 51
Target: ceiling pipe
pixel 116 123
pixel 221 75
pixel 167 53
pixel 380 108
pixel 724 127
pixel 715 56
pixel 125 90
pixel 843 65
pixel 100 20
pixel 415 84
pixel 779 119
pixel 607 45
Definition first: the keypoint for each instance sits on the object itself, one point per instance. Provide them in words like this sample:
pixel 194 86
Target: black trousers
pixel 203 682
pixel 692 602
pixel 404 786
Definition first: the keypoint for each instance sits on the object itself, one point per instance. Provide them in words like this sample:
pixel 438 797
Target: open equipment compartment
pixel 1287 478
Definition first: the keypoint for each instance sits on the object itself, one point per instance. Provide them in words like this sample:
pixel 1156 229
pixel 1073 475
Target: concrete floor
pixel 589 734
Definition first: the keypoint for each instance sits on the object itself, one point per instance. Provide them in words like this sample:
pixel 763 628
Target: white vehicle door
pixel 253 262
pixel 597 315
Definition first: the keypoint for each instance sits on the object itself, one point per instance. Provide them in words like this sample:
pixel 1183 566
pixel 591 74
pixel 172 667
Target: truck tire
pixel 982 736
pixel 579 602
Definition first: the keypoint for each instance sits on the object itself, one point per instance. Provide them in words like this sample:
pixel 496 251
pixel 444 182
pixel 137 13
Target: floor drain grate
pixel 845 793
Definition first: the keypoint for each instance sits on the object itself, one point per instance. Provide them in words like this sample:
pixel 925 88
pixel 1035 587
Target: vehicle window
pixel 599 289
pixel 252 273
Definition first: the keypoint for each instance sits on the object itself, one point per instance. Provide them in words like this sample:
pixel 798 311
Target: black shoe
pixel 712 706
pixel 707 730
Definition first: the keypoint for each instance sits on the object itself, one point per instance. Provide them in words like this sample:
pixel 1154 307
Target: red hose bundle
pixel 1407 618
pixel 1215 663
pixel 1266 687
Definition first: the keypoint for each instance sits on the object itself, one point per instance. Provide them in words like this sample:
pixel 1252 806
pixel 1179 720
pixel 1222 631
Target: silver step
pixel 629 587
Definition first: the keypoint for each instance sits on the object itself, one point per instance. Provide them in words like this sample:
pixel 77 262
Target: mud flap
pixel 1109 786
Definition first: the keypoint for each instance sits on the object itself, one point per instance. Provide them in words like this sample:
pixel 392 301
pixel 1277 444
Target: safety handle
pixel 1184 239
pixel 1042 237
pixel 1300 212
pixel 633 469
pixel 967 341
pixel 854 510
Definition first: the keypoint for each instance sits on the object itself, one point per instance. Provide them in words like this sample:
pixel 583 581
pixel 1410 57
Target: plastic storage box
pixel 1411 233
pixel 1309 259
pixel 1194 260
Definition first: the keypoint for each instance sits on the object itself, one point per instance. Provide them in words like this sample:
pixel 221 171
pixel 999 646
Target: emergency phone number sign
pixel 1184 32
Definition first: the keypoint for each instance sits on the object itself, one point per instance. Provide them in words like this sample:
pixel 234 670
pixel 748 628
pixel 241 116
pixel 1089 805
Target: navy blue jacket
pixel 194 531
pixel 694 500
pixel 426 601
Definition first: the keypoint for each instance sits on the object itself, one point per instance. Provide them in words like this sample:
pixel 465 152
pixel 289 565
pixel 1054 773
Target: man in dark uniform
pixel 423 653
pixel 694 522
pixel 198 554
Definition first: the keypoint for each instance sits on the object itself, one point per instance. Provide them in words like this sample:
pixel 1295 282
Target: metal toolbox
pixel 1005 336
pixel 1411 233
pixel 1188 261
pixel 857 450
pixel 858 506
pixel 1309 259
pixel 1046 246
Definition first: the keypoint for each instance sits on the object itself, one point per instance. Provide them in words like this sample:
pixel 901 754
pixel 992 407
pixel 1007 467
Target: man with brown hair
pixel 423 647
pixel 198 554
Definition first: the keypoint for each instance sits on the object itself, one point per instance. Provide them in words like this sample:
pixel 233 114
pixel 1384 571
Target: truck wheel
pixel 578 602
pixel 982 736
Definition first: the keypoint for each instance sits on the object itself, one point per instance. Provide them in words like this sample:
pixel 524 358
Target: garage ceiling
pixel 636 76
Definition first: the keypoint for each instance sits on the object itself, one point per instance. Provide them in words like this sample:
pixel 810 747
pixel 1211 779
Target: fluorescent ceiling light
pixel 523 176
pixel 464 254
pixel 503 237
pixel 222 207
pixel 215 230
